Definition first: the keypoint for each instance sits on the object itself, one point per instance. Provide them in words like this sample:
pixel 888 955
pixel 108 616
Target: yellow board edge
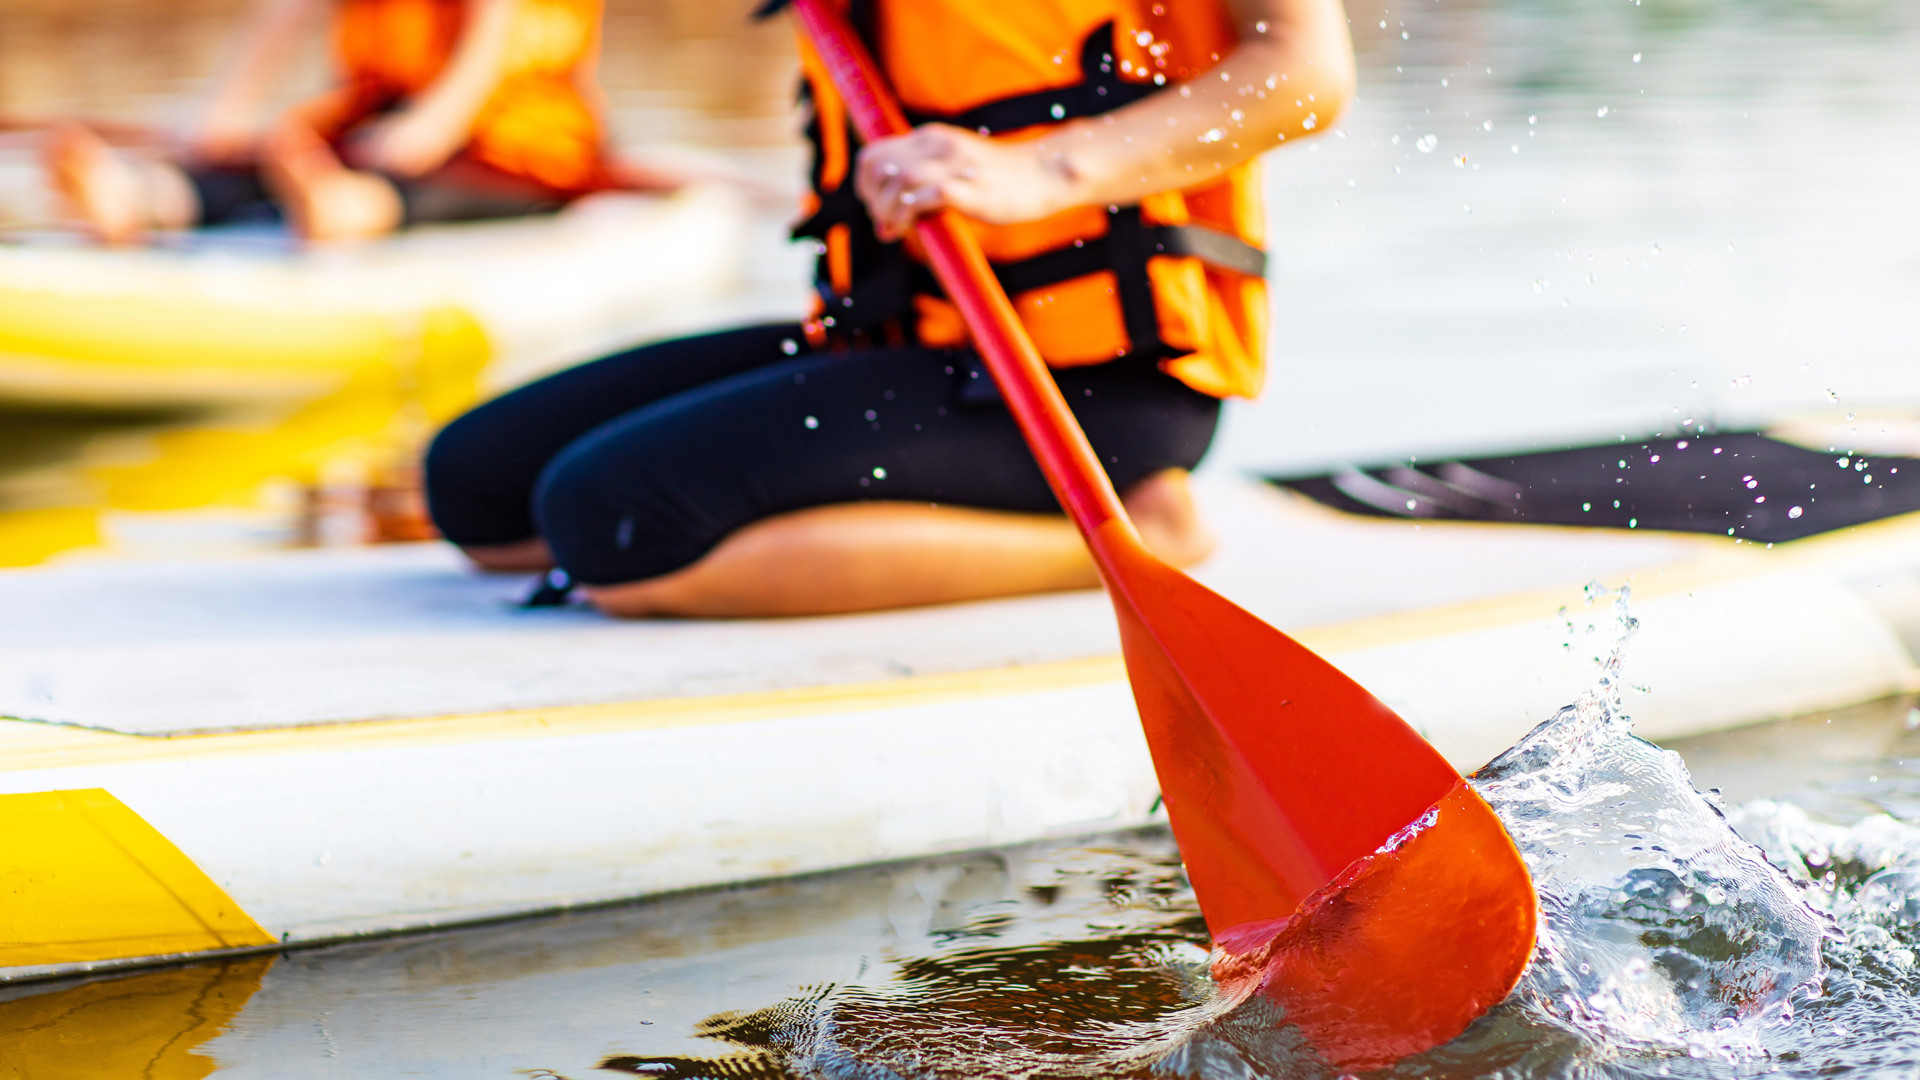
pixel 84 879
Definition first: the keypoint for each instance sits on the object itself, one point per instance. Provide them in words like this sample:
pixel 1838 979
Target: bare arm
pixel 435 125
pixel 1290 76
pixel 226 126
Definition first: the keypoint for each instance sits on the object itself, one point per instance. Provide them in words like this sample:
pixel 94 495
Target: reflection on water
pixel 152 1025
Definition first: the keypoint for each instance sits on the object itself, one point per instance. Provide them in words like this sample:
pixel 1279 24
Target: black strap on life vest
pixel 885 279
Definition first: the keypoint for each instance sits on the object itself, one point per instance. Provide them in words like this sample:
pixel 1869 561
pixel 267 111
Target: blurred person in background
pixel 1104 150
pixel 445 110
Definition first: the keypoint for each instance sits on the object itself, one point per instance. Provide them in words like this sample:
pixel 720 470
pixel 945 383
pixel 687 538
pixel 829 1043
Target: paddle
pixel 1282 777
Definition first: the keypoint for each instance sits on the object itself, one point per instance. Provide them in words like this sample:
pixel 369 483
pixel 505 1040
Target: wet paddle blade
pixel 1346 871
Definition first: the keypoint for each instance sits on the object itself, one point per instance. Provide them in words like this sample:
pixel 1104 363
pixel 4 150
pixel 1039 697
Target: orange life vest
pixel 1176 279
pixel 537 124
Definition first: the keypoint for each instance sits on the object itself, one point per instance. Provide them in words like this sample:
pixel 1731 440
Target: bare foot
pixel 526 556
pixel 100 186
pixel 1162 509
pixel 323 198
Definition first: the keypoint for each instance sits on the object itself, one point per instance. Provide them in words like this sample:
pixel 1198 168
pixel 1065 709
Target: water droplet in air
pixel 811 422
pixel 1636 58
pixel 789 346
pixel 879 473
pixel 1486 125
pixel 1601 111
pixel 1059 111
pixel 1426 143
pixel 1310 121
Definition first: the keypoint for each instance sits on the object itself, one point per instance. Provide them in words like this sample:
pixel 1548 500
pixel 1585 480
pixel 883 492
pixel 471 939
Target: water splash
pixel 1663 930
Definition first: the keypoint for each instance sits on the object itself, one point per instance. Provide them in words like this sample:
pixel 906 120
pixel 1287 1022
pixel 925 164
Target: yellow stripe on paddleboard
pixel 26 745
pixel 84 879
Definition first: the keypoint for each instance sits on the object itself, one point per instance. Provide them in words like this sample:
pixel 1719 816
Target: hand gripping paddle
pixel 1345 870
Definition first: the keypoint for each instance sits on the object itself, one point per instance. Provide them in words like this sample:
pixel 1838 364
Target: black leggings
pixel 237 195
pixel 639 464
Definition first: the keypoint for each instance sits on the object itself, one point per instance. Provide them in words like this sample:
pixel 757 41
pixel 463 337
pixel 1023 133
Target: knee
pixel 470 491
pixel 609 525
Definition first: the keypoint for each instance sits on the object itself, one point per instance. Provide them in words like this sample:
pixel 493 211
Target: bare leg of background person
pixel 118 196
pixel 322 197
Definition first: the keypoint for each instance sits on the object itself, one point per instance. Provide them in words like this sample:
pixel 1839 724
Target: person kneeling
pixel 862 459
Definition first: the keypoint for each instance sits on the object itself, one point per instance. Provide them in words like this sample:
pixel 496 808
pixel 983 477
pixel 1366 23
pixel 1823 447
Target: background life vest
pixel 537 124
pixel 1175 280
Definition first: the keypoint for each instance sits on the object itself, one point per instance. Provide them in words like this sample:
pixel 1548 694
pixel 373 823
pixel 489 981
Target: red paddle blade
pixel 1405 948
pixel 1343 866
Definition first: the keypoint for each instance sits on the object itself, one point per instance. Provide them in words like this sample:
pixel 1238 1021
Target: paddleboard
pixel 206 757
